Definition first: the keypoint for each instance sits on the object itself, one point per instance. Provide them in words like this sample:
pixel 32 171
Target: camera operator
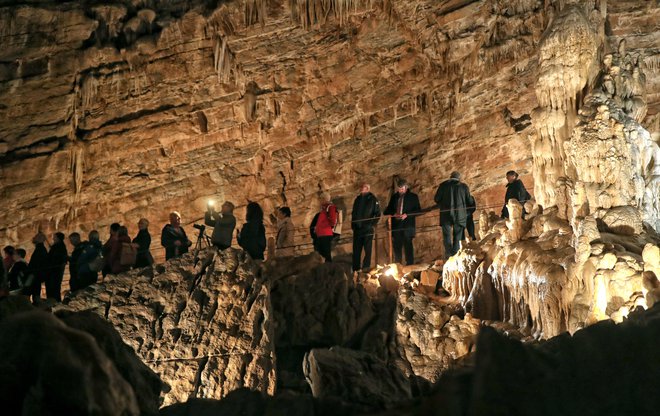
pixel 223 224
pixel 174 238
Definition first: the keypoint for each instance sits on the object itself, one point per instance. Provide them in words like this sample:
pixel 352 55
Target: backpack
pixel 128 254
pixel 336 230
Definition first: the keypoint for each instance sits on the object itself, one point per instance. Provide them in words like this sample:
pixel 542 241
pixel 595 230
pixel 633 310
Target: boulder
pixel 145 383
pixel 318 306
pixel 48 368
pixel 355 377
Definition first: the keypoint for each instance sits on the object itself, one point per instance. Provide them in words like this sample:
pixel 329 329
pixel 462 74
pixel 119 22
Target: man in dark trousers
pixel 37 268
pixel 364 217
pixel 57 259
pixel 403 204
pixel 515 189
pixel 454 200
pixel 74 265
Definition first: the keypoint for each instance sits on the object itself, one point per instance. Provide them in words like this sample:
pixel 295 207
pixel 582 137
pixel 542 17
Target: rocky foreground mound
pixel 224 335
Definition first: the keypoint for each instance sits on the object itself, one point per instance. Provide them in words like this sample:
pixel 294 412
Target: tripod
pixel 203 240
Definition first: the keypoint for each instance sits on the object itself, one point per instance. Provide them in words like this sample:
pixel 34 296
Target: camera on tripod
pixel 200 227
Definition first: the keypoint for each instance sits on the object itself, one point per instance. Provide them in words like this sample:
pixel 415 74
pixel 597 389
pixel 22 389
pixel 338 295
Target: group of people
pixel 87 259
pixel 453 199
pixel 120 253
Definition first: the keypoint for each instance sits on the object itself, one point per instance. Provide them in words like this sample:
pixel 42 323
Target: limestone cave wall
pixel 112 112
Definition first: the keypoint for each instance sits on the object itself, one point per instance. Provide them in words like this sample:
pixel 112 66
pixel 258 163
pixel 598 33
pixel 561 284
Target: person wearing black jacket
pixel 17 275
pixel 174 238
pixel 143 240
pixel 454 199
pixel 515 189
pixel 312 231
pixel 91 252
pixel 37 268
pixel 364 217
pixel 252 237
pixel 74 261
pixel 403 207
pixel 57 259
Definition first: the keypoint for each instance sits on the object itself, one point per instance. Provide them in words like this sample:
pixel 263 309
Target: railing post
pixel 375 244
pixel 389 225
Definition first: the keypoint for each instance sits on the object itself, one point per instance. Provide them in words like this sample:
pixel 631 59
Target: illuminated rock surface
pixel 112 112
pixel 206 330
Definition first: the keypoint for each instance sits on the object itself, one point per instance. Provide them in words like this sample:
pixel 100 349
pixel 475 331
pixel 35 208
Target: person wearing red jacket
pixel 324 227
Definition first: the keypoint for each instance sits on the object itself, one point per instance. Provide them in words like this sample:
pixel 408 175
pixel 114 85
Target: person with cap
pixel 515 189
pixel 403 207
pixel 454 201
pixel 223 224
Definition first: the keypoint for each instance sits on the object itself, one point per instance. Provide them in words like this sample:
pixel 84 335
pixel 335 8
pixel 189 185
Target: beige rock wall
pixel 108 118
pixel 111 113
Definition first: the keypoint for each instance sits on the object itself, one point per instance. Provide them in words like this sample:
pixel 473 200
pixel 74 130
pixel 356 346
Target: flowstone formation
pixel 205 328
pixel 586 248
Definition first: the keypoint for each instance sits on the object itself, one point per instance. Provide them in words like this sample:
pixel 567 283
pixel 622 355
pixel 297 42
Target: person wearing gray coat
pixel 223 224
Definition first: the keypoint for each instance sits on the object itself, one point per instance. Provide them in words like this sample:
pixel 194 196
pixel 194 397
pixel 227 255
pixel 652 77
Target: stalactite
pixel 224 62
pixel 255 12
pixel 308 13
pixel 77 166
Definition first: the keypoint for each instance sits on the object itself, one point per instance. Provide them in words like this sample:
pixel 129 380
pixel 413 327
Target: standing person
pixel 57 259
pixel 17 275
pixel 114 258
pixel 223 224
pixel 515 189
pixel 38 267
pixel 312 232
pixel 74 261
pixel 454 199
pixel 323 229
pixel 143 241
pixel 285 231
pixel 174 238
pixel 252 237
pixel 469 223
pixel 114 228
pixel 364 217
pixel 88 272
pixel 7 262
pixel 402 204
